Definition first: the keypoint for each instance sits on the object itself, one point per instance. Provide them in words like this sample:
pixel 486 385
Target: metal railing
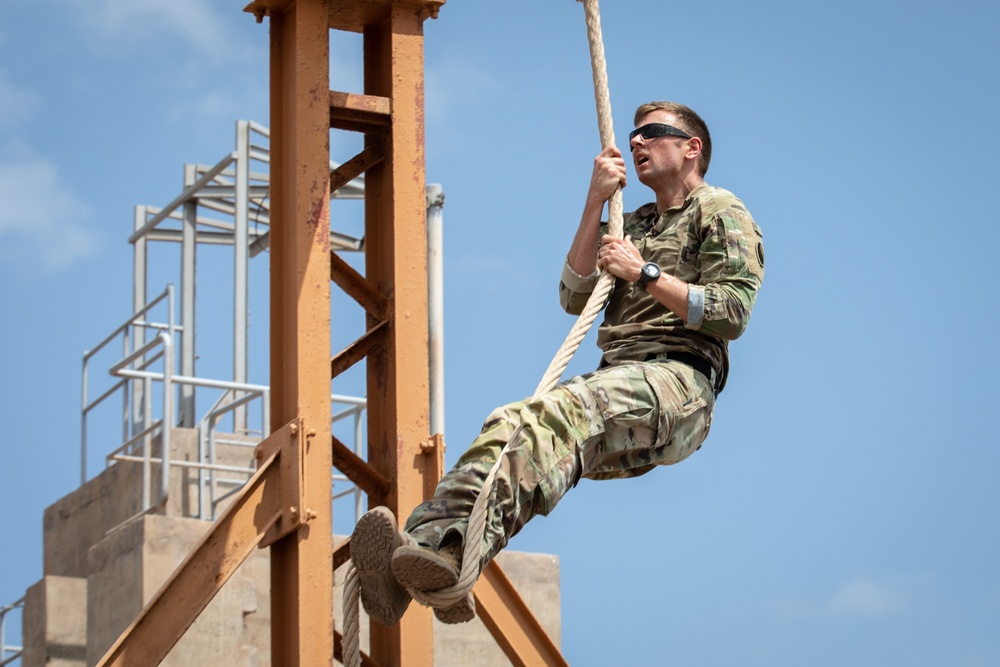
pixel 137 384
pixel 8 653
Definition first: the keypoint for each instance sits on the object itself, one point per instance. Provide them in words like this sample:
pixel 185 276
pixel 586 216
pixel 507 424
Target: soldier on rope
pixel 687 275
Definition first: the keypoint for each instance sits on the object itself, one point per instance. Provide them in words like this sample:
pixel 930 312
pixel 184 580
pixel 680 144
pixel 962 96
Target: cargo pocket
pixel 685 414
pixel 629 411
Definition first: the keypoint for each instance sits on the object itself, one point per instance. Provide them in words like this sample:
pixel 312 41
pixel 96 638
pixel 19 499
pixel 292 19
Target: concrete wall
pixel 55 623
pixel 536 577
pixel 79 520
pixel 127 569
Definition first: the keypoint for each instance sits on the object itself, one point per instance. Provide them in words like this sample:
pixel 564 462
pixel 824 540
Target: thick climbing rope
pixel 472 550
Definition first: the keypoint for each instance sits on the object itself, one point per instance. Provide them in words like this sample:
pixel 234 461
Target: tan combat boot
pixel 423 569
pixel 375 539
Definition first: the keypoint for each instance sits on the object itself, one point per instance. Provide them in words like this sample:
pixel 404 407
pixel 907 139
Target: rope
pixel 476 529
pixel 351 650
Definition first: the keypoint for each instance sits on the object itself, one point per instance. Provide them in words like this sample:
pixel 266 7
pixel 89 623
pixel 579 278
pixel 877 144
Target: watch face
pixel 650 270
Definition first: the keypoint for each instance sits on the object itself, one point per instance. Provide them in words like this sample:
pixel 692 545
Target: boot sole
pixel 373 543
pixel 462 612
pixel 421 569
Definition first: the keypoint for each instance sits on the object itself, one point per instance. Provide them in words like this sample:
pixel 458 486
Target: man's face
pixel 658 158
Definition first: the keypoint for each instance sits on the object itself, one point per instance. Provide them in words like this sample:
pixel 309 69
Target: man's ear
pixel 694 148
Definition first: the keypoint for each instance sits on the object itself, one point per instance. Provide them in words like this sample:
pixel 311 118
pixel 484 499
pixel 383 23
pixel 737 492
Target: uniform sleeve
pixel 575 290
pixel 731 265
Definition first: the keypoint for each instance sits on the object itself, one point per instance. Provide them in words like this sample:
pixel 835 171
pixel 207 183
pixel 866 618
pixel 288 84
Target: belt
pixel 699 364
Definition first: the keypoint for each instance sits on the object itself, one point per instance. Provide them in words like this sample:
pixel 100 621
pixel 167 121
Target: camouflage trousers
pixel 620 421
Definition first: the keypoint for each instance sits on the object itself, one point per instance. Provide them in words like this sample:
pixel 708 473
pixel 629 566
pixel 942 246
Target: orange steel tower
pixel 287 504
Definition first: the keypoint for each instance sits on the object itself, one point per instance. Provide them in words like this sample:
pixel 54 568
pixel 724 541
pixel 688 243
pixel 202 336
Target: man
pixel 687 275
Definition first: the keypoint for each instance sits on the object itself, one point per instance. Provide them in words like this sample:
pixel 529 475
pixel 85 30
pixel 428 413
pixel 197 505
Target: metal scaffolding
pixel 286 505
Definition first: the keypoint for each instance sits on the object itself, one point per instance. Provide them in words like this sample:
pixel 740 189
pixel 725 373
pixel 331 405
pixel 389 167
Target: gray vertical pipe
pixel 139 256
pixel 435 304
pixel 189 246
pixel 168 411
pixel 242 252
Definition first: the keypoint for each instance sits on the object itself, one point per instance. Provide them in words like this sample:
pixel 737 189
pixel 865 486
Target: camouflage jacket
pixel 710 242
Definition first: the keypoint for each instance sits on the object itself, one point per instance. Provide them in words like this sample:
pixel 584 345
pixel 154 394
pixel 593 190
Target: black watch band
pixel 650 271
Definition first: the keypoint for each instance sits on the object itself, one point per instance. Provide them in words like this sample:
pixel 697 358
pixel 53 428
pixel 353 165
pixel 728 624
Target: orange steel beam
pixel 349 111
pixel 358 471
pixel 519 634
pixel 302 562
pixel 403 467
pixel 356 166
pixel 355 286
pixel 396 264
pixel 261 509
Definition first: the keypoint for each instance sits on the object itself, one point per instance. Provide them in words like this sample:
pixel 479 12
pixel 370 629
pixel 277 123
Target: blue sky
pixel 843 508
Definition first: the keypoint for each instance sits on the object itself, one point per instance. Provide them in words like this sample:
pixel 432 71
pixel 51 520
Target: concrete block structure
pixel 105 559
pixel 55 623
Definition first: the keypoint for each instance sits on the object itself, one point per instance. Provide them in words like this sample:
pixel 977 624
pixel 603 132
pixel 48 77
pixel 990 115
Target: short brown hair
pixel 689 121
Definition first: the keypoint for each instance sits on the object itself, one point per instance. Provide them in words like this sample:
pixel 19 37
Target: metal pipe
pixel 180 463
pixel 240 274
pixel 345 413
pixel 201 472
pixel 350 400
pixel 203 237
pixel 15 651
pixel 119 368
pixel 168 411
pixel 435 304
pixel 131 441
pixel 182 197
pixel 359 507
pixel 147 442
pixel 189 240
pixel 200 382
pixel 129 420
pixel 131 321
pixel 139 297
pixel 260 129
pixel 83 424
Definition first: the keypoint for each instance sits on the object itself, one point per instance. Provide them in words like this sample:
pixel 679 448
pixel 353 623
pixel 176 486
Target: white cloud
pixel 17 104
pixel 195 20
pixel 39 217
pixel 866 597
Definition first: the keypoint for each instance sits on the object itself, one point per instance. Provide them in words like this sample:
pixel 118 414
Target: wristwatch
pixel 650 271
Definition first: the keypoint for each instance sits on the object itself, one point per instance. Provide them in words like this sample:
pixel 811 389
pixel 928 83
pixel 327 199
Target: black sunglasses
pixel 653 130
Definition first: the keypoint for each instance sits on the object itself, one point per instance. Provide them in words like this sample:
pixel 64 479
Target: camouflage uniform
pixel 640 409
